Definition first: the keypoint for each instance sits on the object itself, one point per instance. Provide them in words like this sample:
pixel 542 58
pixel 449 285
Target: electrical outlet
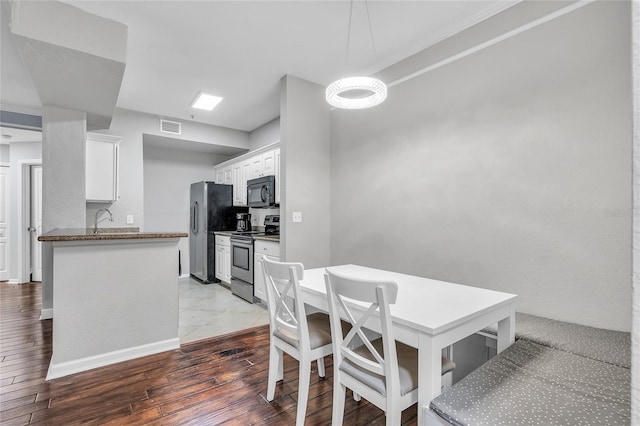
pixel 129 219
pixel 297 216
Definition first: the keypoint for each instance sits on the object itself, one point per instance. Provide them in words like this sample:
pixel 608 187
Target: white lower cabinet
pixel 223 258
pixel 261 249
pixel 227 264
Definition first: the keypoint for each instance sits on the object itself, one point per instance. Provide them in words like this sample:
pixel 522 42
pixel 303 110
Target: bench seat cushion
pixel 612 347
pixel 529 383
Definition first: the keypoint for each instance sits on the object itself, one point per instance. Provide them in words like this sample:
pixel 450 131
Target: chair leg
pixel 303 389
pixel 393 417
pixel 320 362
pixel 339 393
pixel 275 371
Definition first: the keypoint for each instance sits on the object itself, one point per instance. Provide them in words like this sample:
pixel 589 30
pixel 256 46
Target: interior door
pixel 4 223
pixel 36 223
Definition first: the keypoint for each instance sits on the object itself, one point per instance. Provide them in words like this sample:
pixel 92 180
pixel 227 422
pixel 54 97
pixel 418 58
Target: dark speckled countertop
pixel 86 234
pixel 273 238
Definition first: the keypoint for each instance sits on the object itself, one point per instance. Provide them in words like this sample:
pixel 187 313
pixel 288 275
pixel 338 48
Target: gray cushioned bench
pixel 556 373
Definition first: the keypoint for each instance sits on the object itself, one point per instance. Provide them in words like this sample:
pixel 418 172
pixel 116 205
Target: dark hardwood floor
pixel 216 381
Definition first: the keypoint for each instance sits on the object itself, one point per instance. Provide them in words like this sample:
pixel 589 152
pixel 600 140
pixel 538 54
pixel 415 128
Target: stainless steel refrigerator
pixel 211 210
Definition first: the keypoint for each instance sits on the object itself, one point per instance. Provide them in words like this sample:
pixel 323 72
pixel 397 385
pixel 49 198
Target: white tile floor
pixel 208 310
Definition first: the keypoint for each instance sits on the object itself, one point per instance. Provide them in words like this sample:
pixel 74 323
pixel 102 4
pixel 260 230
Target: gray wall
pixel 265 134
pixel 168 174
pixel 305 168
pixel 508 169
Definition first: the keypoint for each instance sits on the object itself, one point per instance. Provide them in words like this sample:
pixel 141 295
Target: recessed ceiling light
pixel 206 101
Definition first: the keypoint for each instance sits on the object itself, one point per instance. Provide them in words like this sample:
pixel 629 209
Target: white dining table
pixel 429 315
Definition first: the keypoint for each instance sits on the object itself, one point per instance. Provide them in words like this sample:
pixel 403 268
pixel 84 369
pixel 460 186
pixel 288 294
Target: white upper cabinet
pixel 219 176
pixel 268 163
pixel 262 162
pixel 240 175
pixel 228 175
pixel 102 168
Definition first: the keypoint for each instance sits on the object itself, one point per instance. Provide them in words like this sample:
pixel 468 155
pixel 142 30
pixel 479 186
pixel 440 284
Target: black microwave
pixel 261 192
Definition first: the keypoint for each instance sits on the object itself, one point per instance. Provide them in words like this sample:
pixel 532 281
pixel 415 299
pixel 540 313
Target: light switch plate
pixel 297 216
pixel 129 219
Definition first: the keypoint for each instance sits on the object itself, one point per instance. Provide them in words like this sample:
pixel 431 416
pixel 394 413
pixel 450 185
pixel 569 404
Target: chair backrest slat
pixel 363 302
pixel 286 310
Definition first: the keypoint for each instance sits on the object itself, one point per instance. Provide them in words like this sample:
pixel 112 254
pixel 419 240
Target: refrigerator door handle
pixel 194 217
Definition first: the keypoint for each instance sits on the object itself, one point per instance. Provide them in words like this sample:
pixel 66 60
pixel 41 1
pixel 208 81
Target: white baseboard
pixel 46 314
pixel 13 281
pixel 70 367
pixel 184 276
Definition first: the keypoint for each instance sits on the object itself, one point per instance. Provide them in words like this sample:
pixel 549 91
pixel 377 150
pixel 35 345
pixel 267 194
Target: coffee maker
pixel 243 222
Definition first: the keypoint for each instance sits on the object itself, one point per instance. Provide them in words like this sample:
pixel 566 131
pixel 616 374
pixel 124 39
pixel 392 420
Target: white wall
pixel 258 215
pixel 508 169
pixel 19 152
pixel 305 169
pixel 168 174
pixel 265 134
pixel 63 183
pixel 132 126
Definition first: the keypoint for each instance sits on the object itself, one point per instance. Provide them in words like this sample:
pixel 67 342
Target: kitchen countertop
pixel 224 233
pixel 273 238
pixel 86 234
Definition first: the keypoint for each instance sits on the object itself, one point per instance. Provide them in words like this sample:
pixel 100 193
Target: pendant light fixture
pixel 356 92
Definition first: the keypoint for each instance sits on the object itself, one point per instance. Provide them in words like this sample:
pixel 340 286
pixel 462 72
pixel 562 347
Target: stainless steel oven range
pixel 242 265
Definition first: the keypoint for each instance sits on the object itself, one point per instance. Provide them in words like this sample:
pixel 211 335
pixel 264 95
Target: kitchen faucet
pixel 95 226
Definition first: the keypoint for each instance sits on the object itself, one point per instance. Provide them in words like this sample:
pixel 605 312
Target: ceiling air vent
pixel 173 127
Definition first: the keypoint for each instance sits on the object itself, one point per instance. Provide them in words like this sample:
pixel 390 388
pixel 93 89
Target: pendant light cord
pixel 346 59
pixel 373 44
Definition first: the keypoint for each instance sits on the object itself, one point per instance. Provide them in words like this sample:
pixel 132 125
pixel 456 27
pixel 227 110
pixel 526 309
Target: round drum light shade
pixel 366 92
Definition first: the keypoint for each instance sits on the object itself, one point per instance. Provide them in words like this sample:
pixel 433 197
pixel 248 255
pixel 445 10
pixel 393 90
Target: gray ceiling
pixel 241 49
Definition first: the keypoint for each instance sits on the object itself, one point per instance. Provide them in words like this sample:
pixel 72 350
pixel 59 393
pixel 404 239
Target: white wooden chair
pixel 383 371
pixel 304 337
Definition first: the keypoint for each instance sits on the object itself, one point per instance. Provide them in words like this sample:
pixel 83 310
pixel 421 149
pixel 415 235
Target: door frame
pixel 34 244
pixel 24 218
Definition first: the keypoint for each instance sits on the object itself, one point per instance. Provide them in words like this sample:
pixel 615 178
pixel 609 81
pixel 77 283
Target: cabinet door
pixel 268 163
pixel 246 172
pixel 220 262
pixel 259 286
pixel 256 167
pixel 228 175
pixel 219 176
pixel 101 170
pixel 259 290
pixel 238 185
pixel 276 157
pixel 227 264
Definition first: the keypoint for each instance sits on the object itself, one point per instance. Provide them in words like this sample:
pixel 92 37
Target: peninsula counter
pixel 115 296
